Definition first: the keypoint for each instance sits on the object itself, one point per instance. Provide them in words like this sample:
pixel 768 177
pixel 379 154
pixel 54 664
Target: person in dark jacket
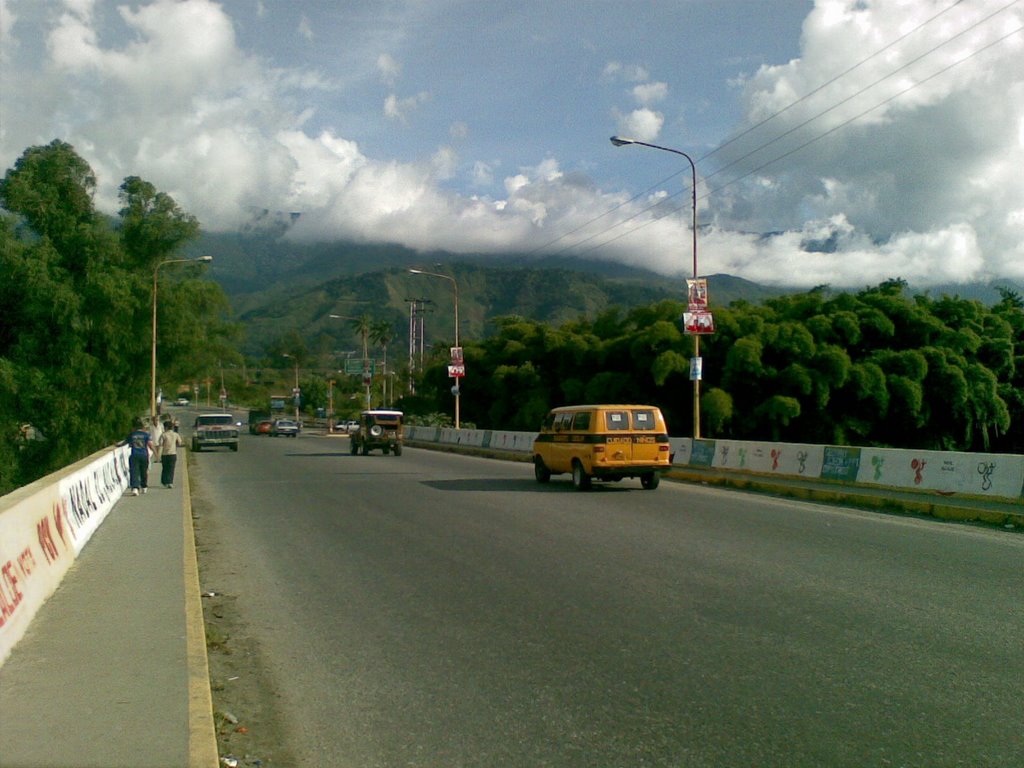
pixel 138 458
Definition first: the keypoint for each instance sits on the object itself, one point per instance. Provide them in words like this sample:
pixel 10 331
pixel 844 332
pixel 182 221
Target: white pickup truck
pixel 214 429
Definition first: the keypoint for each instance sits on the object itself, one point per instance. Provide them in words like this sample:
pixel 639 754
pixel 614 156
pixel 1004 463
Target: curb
pixel 202 737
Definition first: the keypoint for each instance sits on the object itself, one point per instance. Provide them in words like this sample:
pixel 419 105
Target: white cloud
pixel 630 73
pixel 643 124
pixel 650 93
pixel 483 174
pixel 926 187
pixel 399 109
pixel 389 68
pixel 922 166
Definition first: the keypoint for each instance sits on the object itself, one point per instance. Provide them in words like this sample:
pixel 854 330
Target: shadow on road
pixel 526 485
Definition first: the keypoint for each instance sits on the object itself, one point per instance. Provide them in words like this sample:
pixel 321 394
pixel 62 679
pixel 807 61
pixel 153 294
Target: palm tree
pixel 381 332
pixel 363 325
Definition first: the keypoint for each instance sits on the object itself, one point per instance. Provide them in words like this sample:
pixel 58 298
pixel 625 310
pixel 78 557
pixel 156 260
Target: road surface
pixel 442 610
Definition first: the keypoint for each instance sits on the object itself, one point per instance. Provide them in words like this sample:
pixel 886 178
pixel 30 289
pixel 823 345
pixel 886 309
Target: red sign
pixel 456 371
pixel 698 322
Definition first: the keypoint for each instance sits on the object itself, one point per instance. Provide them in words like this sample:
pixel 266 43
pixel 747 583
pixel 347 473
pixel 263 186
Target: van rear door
pixel 646 429
pixel 618 438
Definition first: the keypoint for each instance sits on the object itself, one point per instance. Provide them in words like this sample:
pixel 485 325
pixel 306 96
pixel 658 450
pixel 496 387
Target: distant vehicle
pixel 256 418
pixel 348 427
pixel 284 428
pixel 261 427
pixel 214 429
pixel 378 428
pixel 181 401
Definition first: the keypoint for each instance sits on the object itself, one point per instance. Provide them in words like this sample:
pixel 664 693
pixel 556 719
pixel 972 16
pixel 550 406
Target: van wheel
pixel 580 479
pixel 650 481
pixel 542 473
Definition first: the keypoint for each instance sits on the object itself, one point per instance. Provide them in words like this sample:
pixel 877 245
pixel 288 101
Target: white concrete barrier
pixel 977 474
pixel 793 459
pixel 44 527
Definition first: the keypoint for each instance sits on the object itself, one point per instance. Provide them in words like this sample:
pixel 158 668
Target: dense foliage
pixel 870 368
pixel 75 298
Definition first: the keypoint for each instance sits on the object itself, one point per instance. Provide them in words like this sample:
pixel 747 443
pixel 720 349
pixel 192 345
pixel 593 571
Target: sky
pixel 838 142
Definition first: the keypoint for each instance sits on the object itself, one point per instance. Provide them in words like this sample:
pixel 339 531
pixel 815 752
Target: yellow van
pixel 603 442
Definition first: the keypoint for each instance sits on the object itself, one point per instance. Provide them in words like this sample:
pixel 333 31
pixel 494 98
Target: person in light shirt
pixel 170 441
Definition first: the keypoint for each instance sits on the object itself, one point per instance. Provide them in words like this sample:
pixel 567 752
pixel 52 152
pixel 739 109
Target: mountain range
pixel 278 287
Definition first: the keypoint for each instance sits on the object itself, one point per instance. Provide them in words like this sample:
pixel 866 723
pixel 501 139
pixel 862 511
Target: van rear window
pixel 616 420
pixel 644 420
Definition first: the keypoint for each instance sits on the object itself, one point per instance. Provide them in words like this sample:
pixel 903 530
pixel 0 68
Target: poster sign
pixel 456 371
pixel 696 366
pixel 456 355
pixel 697 294
pixel 698 322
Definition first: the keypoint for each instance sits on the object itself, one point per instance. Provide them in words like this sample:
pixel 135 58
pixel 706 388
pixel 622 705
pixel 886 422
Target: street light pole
pixel 621 141
pixel 152 367
pixel 455 286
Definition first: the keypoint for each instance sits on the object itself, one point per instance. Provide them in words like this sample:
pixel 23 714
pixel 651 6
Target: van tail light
pixel 663 448
pixel 598 449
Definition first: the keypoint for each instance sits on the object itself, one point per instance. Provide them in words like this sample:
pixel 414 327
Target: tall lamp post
pixel 152 368
pixel 621 141
pixel 455 285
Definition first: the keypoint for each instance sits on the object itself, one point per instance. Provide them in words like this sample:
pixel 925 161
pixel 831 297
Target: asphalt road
pixel 441 610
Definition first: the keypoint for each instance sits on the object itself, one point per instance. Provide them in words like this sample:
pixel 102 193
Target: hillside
pixel 277 287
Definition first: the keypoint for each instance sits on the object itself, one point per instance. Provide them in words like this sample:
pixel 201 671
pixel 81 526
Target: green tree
pixel 75 340
pixel 153 227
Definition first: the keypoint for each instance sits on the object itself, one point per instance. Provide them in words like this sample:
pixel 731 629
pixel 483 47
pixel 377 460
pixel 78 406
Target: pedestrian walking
pixel 154 436
pixel 138 458
pixel 170 441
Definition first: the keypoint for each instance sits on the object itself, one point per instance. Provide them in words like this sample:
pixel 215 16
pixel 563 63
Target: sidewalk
pixel 112 671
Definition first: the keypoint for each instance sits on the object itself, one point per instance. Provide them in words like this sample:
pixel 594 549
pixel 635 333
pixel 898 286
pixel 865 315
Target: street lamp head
pixel 205 259
pixel 621 141
pixel 416 271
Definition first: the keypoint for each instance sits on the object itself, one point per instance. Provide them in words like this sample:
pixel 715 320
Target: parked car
pixel 378 428
pixel 181 401
pixel 284 428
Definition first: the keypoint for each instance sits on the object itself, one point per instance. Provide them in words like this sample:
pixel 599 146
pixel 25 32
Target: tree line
pixel 874 367
pixel 75 298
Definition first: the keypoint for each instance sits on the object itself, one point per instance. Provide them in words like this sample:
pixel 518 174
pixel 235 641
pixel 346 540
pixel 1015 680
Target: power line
pixel 786 133
pixel 810 141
